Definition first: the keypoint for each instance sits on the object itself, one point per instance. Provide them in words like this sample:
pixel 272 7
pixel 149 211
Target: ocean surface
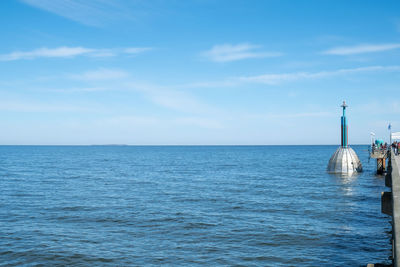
pixel 188 206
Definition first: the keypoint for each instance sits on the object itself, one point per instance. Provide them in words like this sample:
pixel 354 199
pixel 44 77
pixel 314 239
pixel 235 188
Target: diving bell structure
pixel 344 160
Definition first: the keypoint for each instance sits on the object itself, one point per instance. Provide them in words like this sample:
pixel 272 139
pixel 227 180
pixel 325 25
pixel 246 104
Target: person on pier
pixel 398 147
pixel 394 146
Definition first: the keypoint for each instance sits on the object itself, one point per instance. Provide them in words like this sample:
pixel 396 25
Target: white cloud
pixel 92 13
pixel 75 89
pixel 104 53
pixel 100 80
pixel 46 52
pixel 68 52
pixel 359 49
pixel 229 52
pixel 101 75
pixel 33 106
pixel 136 50
pixel 289 77
pixel 118 51
pixel 278 78
pixel 170 98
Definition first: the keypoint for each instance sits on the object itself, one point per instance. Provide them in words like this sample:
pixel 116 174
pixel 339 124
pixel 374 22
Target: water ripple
pixel 134 206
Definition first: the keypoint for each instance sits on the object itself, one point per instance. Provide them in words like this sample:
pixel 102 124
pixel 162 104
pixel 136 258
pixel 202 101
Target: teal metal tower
pixel 344 160
pixel 344 127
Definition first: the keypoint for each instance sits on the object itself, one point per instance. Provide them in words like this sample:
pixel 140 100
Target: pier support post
pixel 389 202
pixel 386 203
pixel 380 165
pixel 388 177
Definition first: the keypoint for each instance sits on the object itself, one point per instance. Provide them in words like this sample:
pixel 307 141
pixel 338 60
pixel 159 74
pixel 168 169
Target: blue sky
pixel 197 72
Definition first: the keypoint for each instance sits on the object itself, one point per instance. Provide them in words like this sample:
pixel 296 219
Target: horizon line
pixel 178 145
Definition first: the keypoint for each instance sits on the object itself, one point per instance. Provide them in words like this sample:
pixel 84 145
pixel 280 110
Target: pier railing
pixel 379 152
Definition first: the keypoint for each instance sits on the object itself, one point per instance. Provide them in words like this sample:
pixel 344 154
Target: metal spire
pixel 344 127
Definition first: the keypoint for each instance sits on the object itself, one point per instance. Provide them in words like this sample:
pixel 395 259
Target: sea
pixel 188 206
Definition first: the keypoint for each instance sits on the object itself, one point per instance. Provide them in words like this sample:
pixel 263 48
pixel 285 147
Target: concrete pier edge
pixel 395 181
pixel 390 204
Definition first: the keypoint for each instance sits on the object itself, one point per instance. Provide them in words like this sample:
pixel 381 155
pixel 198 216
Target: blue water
pixel 183 205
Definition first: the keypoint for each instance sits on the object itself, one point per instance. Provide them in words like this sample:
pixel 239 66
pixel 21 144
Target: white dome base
pixel 344 160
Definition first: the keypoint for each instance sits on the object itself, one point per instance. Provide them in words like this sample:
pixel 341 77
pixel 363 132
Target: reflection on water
pixel 346 181
pixel 345 178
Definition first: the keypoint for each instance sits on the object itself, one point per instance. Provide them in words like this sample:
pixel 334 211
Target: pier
pixel 390 203
pixel 395 183
pixel 380 155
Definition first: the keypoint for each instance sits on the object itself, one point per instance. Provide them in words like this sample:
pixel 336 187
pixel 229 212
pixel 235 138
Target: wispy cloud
pixel 32 106
pixel 156 123
pixel 279 78
pixel 101 75
pixel 289 77
pixel 92 13
pixel 136 50
pixel 170 98
pixel 46 52
pixel 229 52
pixel 360 49
pixel 75 89
pixel 100 80
pixel 69 52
